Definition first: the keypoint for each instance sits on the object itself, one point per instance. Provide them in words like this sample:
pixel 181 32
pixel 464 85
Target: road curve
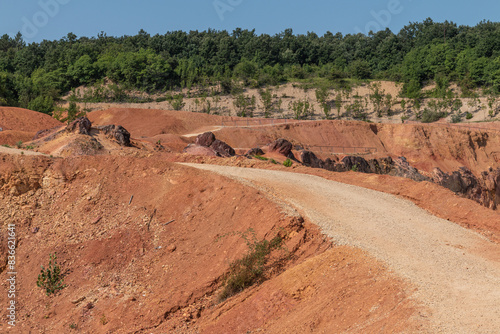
pixel 456 272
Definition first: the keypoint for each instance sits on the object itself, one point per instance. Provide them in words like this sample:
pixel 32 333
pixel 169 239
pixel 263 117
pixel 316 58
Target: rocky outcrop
pixel 403 169
pixel 223 149
pixel 45 133
pixel 208 140
pixel 117 132
pixel 395 167
pixel 281 146
pixel 310 159
pixel 484 190
pixel 80 125
pixel 254 152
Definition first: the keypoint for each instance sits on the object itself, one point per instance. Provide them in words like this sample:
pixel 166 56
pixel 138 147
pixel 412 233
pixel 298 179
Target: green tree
pixel 43 104
pixel 266 98
pixel 322 96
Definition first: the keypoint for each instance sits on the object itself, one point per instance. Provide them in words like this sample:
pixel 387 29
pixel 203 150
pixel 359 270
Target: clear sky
pixel 54 19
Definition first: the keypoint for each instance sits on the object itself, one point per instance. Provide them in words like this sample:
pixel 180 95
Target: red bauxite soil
pixel 22 124
pixel 155 262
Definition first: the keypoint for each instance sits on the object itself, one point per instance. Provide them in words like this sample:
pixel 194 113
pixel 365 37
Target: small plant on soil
pixel 261 158
pixel 51 278
pixel 287 163
pixel 19 144
pixel 251 268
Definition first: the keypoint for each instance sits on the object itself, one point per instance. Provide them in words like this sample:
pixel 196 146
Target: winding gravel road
pixel 455 271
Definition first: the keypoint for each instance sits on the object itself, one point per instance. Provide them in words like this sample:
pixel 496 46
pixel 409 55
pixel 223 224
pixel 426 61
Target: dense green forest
pixel 36 75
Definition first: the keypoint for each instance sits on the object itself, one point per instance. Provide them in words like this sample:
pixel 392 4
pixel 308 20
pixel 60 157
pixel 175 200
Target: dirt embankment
pixel 153 263
pixel 438 257
pixel 22 124
pixel 425 146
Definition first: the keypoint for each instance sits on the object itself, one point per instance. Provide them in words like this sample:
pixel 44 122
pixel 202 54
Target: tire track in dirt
pixel 456 271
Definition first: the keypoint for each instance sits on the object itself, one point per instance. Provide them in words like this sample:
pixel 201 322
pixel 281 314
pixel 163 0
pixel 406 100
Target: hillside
pixel 135 230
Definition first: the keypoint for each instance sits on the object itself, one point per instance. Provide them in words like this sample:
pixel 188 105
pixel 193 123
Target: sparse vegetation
pixel 178 102
pixel 51 278
pixel 251 268
pixel 287 163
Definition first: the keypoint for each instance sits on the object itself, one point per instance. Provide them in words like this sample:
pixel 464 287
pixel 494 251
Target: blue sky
pixel 53 19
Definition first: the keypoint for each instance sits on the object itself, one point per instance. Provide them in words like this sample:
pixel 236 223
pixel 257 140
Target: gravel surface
pixel 456 272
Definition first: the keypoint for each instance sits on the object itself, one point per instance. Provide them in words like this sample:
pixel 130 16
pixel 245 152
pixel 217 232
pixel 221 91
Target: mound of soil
pixel 150 122
pixel 22 124
pixel 25 120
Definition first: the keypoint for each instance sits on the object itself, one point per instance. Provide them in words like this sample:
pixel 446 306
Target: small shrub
pixel 274 161
pixel 456 118
pixel 429 116
pixel 250 269
pixel 73 326
pixel 178 102
pixel 19 144
pixel 287 163
pixel 29 147
pixel 355 167
pixel 104 320
pixel 51 278
pixel 261 157
pixel 468 115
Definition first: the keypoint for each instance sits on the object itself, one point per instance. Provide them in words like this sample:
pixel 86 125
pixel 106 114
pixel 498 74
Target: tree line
pixel 36 75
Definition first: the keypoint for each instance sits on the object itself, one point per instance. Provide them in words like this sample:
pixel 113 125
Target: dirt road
pixel 456 272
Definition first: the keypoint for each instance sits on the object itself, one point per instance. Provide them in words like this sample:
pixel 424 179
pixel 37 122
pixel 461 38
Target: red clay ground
pixel 127 271
pixel 120 280
pixel 22 124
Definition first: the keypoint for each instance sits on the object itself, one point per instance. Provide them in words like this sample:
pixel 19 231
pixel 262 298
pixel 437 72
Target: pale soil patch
pixel 454 269
pixel 16 151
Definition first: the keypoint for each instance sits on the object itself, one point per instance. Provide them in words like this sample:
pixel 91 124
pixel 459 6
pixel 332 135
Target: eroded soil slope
pixel 22 124
pixel 153 263
pixel 456 271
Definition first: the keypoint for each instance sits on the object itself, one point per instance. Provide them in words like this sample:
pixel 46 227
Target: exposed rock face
pixel 81 126
pixel 398 167
pixel 195 149
pixel 491 179
pixel 255 151
pixel 44 133
pixel 117 132
pixel 357 164
pixel 311 160
pixel 223 149
pixel 403 169
pixel 206 139
pixel 484 190
pixel 282 146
